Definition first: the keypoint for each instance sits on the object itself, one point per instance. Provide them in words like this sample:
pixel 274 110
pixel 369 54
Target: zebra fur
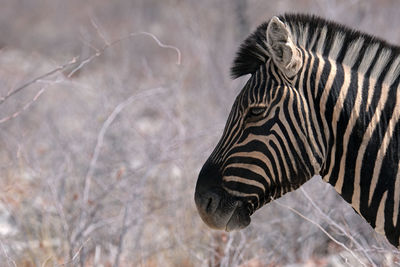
pixel 322 99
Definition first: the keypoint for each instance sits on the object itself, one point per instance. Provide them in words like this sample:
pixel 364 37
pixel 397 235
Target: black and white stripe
pixel 338 116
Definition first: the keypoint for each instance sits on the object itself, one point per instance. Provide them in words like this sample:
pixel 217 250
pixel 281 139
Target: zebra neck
pixel 361 125
pixel 337 99
pixel 351 105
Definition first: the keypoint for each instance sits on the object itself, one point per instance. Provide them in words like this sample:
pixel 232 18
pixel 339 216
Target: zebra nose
pixel 208 195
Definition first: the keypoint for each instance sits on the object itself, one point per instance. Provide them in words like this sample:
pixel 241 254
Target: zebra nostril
pixel 209 202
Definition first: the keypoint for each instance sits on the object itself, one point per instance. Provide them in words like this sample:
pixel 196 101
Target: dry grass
pixel 98 159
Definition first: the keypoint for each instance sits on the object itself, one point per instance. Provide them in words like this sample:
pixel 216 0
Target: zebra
pixel 321 99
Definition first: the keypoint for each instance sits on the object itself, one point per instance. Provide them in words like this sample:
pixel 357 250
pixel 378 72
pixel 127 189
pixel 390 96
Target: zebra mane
pixel 336 41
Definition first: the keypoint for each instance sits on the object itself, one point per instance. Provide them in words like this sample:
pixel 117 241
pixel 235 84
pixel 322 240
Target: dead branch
pixel 332 222
pixel 25 107
pixel 85 61
pixel 75 256
pixel 34 80
pixel 322 229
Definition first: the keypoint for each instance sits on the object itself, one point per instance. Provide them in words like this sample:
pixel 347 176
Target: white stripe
pixel 240 194
pixel 321 41
pixel 303 36
pixel 380 216
pixel 251 167
pixel 336 45
pixel 368 58
pixel 313 40
pixel 353 52
pixel 377 70
pixel 396 197
pixel 244 181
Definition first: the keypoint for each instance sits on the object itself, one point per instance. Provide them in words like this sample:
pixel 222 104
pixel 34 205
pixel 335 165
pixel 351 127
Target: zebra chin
pixel 239 219
pixel 225 215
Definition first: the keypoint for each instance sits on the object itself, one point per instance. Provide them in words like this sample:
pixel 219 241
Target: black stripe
pixel 249 160
pixel 246 174
pixel 330 105
pixel 387 180
pixel 360 56
pixel 284 179
pixel 256 145
pixel 319 127
pixel 343 121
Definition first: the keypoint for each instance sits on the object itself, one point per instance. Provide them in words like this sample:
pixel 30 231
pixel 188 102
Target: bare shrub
pixel 108 109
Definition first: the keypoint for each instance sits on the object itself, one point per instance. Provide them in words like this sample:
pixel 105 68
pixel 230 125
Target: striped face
pixel 260 155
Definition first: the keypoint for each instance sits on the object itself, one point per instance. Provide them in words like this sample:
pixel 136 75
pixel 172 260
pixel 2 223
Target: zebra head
pixel 264 151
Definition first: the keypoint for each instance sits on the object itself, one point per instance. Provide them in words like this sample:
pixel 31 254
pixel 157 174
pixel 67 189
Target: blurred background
pixel 108 109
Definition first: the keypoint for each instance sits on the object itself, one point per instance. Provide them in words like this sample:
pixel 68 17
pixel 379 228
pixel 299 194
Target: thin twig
pixel 34 80
pixel 59 207
pixel 45 262
pixel 96 153
pixel 102 132
pixel 178 52
pixel 9 259
pixel 25 107
pixel 98 30
pixel 124 230
pixel 88 59
pixel 76 254
pixel 332 222
pixel 100 51
pixel 322 229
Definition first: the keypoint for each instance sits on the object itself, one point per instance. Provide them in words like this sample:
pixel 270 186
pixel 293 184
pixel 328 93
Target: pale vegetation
pixel 108 109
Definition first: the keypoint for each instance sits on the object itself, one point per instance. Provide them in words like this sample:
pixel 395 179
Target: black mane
pixel 252 52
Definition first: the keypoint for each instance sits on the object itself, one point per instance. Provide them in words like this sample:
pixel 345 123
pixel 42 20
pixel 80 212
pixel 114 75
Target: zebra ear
pixel 284 52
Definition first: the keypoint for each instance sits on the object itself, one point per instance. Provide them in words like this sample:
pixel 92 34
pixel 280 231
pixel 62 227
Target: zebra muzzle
pixel 220 211
pixel 217 208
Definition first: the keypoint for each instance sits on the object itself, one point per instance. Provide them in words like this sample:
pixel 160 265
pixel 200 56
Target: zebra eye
pixel 256 111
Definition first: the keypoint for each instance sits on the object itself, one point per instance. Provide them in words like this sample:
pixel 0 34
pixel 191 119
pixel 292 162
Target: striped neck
pixel 355 82
pixel 354 101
